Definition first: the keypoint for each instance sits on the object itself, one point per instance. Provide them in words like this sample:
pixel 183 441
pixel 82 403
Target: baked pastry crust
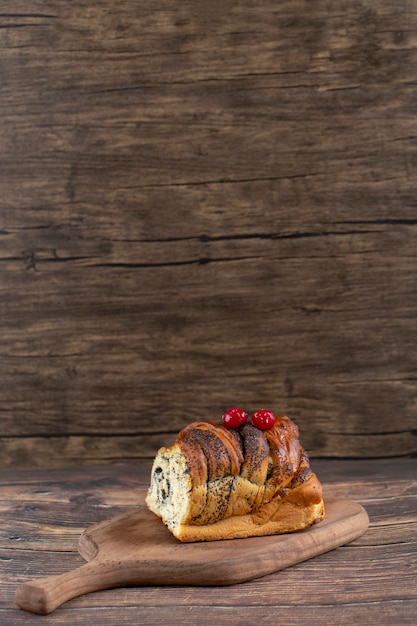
pixel 217 483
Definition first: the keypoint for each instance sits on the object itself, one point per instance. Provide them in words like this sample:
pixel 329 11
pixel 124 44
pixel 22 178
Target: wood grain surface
pixel 203 205
pixel 136 549
pixel 44 512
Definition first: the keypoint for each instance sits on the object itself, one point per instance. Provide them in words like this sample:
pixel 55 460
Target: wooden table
pixel 370 581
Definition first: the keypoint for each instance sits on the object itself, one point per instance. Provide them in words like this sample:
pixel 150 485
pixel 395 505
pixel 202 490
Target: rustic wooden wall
pixel 206 204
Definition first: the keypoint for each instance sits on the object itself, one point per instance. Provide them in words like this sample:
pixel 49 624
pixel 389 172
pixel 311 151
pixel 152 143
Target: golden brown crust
pixel 218 483
pixel 298 510
pixel 217 445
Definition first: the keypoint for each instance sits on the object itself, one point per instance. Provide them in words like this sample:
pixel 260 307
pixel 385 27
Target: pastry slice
pixel 218 482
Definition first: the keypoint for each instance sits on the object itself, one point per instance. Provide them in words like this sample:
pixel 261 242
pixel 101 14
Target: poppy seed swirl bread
pixel 225 483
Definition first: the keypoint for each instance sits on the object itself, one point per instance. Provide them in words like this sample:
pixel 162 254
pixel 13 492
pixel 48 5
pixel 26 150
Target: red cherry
pixel 263 419
pixel 234 417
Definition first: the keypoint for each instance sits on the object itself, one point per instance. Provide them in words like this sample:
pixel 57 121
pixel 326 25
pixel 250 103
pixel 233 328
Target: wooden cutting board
pixel 137 549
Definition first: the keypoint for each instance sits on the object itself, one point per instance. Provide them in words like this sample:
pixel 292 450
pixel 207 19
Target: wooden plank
pixel 378 613
pixel 373 575
pixel 200 211
pixel 332 578
pixel 86 450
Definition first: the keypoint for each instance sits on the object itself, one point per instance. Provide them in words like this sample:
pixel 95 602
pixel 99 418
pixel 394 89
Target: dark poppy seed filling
pixel 165 490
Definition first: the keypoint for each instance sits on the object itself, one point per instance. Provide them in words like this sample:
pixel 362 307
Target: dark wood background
pixel 206 204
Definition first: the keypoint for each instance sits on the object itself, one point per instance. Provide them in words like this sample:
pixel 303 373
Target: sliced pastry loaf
pixel 224 483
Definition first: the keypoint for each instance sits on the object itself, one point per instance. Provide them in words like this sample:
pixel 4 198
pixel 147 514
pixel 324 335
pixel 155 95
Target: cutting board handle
pixel 44 595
